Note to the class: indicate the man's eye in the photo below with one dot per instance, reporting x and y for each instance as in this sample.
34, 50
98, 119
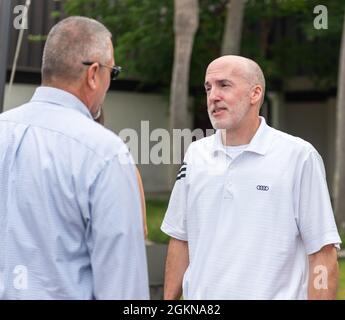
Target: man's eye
207, 89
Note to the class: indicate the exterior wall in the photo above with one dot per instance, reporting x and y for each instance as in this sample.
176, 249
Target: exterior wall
125, 110
312, 120
315, 123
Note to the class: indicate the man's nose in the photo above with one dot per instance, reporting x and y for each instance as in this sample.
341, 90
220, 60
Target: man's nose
213, 95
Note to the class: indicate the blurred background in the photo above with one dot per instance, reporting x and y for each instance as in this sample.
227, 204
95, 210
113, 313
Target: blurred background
164, 48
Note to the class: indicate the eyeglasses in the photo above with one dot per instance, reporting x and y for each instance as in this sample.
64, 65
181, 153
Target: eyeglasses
115, 70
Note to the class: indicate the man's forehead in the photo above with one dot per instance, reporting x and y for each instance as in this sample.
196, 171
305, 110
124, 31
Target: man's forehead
217, 72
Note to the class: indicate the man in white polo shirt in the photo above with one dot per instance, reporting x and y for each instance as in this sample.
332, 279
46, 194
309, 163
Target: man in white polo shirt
250, 215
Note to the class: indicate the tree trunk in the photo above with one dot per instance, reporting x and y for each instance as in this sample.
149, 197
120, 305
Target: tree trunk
339, 175
186, 23
233, 28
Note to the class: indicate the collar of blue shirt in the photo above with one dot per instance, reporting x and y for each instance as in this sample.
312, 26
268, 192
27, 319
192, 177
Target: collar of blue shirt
60, 97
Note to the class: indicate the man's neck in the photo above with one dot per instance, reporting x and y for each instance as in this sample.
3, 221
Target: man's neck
242, 135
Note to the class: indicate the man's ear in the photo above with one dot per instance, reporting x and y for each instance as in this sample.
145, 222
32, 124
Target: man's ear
92, 75
256, 94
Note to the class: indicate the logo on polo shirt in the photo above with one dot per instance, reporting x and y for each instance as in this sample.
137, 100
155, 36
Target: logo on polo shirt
262, 188
182, 172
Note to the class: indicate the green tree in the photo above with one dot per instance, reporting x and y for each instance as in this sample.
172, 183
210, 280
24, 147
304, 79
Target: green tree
282, 38
143, 34
278, 34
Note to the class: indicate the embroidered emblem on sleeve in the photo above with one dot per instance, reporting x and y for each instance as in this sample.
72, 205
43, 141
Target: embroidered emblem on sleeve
182, 172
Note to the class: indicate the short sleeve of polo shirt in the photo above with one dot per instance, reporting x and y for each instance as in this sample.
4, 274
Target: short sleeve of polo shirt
315, 218
175, 220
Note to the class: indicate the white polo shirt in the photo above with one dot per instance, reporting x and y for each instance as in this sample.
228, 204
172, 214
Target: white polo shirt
251, 221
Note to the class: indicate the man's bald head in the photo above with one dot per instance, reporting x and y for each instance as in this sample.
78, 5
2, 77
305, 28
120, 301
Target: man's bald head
244, 67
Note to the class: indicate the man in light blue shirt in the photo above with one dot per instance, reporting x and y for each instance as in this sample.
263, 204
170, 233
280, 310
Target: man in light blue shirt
70, 222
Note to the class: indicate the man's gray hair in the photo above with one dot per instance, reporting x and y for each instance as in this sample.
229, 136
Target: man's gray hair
69, 43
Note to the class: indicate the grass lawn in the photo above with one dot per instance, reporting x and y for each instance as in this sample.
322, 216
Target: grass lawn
155, 211
342, 236
341, 288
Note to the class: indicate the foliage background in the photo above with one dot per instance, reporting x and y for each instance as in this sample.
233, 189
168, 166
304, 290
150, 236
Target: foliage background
279, 34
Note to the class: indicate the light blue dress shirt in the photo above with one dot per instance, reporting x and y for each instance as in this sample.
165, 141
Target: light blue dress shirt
70, 222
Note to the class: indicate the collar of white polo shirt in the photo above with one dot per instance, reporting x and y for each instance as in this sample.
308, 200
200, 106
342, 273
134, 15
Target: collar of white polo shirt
259, 144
